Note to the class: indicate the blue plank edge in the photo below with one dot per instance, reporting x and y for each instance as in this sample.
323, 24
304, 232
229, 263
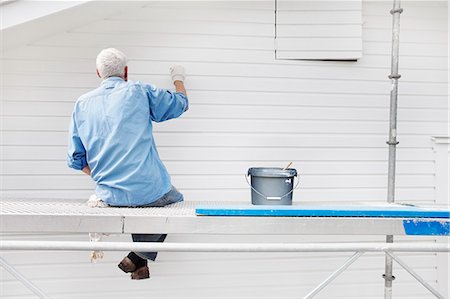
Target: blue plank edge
416, 227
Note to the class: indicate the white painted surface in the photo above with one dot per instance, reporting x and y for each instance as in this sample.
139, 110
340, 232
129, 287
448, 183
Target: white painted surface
247, 109
19, 12
441, 147
323, 30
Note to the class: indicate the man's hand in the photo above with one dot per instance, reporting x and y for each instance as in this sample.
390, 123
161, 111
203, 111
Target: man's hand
87, 170
178, 74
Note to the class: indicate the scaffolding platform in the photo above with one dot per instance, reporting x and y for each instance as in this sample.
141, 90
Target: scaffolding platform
68, 216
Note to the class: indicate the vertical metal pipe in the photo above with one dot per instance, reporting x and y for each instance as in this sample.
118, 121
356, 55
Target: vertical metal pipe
388, 277
394, 76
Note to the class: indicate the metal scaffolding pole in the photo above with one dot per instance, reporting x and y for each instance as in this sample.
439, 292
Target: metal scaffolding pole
416, 276
335, 274
223, 247
26, 282
394, 76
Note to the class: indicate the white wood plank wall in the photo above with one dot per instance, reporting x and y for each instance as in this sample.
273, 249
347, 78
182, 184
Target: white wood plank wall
247, 109
320, 30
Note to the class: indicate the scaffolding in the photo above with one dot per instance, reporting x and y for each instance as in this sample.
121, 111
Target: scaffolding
392, 142
358, 249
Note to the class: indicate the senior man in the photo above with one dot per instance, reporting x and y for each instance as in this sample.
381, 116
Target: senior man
111, 140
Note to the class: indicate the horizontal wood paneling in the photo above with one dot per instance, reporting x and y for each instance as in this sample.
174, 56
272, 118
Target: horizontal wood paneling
195, 125
248, 111
253, 140
171, 55
305, 70
243, 83
303, 16
262, 12
221, 181
236, 168
338, 25
197, 26
355, 195
157, 40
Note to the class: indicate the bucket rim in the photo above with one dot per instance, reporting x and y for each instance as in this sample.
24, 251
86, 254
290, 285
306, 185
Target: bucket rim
272, 172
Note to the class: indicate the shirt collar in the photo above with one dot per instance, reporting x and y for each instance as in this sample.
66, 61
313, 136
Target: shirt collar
112, 80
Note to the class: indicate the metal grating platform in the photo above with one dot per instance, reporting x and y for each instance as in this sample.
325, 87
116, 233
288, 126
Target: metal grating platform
74, 208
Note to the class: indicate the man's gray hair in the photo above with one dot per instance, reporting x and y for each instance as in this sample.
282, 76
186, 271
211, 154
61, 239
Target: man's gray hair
111, 63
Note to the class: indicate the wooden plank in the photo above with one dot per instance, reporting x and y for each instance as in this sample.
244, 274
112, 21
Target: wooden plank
252, 5
142, 53
159, 40
238, 286
244, 84
235, 153
414, 9
417, 23
407, 49
284, 69
87, 53
319, 55
289, 5
408, 36
319, 30
194, 26
185, 124
250, 13
343, 31
38, 95
235, 288
233, 168
198, 139
337, 44
347, 17
71, 182
353, 195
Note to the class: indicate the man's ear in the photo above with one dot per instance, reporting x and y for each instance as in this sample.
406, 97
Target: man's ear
125, 73
98, 73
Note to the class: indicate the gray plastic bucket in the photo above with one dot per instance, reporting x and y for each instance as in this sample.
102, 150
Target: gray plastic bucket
272, 186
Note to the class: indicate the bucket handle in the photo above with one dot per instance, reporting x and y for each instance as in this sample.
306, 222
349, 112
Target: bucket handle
273, 198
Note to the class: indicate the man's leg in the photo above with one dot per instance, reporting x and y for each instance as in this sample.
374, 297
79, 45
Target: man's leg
148, 238
139, 259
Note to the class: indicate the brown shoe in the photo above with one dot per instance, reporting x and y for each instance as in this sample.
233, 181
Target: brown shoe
126, 265
141, 273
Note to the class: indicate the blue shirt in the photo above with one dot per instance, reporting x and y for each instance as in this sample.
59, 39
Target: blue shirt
111, 131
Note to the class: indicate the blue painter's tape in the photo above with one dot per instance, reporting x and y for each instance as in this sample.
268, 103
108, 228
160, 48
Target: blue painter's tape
421, 227
393, 211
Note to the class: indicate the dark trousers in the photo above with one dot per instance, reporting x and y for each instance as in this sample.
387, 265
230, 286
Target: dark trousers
170, 197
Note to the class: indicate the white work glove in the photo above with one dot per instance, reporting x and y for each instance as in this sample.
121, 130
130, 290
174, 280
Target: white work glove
94, 202
96, 255
178, 73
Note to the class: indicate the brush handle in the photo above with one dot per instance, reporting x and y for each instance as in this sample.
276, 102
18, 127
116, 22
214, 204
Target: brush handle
287, 166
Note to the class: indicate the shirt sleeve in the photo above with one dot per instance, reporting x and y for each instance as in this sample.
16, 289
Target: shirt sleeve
164, 104
76, 154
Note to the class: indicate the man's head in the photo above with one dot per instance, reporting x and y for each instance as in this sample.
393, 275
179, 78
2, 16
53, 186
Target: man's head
112, 63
